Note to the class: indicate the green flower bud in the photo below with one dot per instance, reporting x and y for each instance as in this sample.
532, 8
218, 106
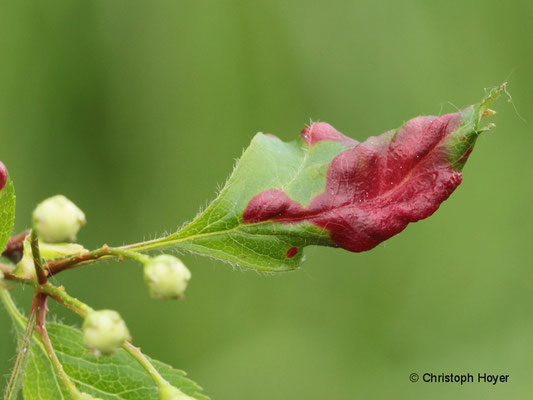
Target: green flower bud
169, 392
166, 276
104, 331
57, 219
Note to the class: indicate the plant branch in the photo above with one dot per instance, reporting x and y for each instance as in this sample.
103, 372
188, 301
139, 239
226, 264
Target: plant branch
56, 266
37, 320
161, 382
136, 353
15, 243
59, 294
39, 269
82, 309
41, 299
8, 276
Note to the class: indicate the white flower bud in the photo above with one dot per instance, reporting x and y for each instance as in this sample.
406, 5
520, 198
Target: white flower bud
169, 392
57, 219
104, 331
166, 276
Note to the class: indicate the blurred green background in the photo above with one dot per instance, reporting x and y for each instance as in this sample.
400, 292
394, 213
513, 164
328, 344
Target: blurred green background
136, 110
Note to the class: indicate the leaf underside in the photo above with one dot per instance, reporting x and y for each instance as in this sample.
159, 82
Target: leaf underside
106, 377
330, 190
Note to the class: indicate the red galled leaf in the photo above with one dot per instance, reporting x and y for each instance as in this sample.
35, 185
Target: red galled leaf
375, 188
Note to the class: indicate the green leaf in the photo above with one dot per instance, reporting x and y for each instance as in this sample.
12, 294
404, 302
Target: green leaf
24, 336
106, 377
267, 163
328, 189
7, 213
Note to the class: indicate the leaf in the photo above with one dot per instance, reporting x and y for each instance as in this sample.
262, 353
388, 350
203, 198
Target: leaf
7, 213
24, 342
24, 336
328, 189
106, 377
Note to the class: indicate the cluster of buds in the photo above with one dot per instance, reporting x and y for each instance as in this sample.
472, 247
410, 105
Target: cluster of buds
57, 221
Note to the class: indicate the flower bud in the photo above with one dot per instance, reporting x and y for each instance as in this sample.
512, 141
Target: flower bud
3, 175
166, 276
57, 219
169, 392
104, 331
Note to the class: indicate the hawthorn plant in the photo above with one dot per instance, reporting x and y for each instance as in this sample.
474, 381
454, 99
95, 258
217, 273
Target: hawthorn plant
322, 189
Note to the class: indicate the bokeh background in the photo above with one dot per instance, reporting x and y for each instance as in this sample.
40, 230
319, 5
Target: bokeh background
137, 110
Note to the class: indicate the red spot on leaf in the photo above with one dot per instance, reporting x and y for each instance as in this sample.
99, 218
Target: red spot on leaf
292, 252
374, 189
3, 175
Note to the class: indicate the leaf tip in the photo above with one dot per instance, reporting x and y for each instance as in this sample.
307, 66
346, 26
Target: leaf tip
494, 93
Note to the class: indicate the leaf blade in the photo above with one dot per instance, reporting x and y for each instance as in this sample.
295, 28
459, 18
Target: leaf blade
110, 377
7, 213
327, 189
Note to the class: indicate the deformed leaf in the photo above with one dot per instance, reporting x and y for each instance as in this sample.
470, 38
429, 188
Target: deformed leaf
328, 189
107, 377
